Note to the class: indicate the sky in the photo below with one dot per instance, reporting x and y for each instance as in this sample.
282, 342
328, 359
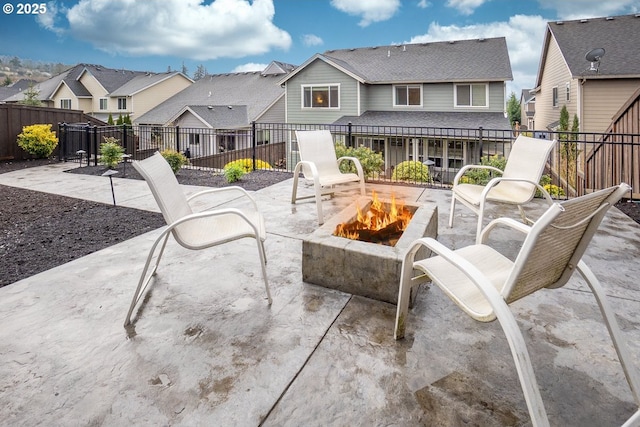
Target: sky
240, 35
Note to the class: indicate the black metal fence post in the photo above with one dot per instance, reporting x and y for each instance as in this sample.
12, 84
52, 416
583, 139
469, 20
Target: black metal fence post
62, 137
253, 144
95, 146
178, 139
480, 141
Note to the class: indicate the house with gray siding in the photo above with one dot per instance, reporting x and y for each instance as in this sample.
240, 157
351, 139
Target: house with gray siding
457, 84
216, 112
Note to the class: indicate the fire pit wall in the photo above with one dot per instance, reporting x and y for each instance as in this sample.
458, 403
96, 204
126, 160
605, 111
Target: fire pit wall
360, 268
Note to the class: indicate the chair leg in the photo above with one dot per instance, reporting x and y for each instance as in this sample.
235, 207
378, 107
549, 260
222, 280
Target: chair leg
523, 364
142, 283
614, 331
294, 192
453, 208
263, 265
318, 198
404, 297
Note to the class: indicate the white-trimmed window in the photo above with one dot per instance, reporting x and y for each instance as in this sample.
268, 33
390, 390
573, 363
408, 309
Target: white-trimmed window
122, 103
104, 102
321, 96
554, 96
568, 90
472, 95
407, 96
65, 103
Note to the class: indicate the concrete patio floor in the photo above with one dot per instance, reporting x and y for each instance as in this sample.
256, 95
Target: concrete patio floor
206, 349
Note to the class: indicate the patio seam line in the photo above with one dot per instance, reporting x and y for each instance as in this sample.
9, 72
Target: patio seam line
266, 417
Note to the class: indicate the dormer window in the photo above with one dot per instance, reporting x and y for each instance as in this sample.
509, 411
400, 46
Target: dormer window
321, 96
407, 96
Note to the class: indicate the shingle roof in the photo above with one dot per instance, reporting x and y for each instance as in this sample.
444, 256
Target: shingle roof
142, 81
472, 120
222, 116
618, 36
252, 89
450, 61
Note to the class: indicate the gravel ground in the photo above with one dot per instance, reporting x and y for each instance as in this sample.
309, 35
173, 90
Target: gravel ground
39, 231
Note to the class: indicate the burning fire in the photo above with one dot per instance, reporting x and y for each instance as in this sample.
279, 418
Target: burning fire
382, 223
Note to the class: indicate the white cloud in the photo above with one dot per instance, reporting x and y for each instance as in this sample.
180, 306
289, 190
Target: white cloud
251, 66
524, 35
49, 20
311, 40
370, 10
183, 28
577, 9
465, 7
423, 4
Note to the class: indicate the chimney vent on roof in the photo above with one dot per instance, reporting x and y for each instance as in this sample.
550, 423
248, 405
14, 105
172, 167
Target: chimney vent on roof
559, 23
388, 53
404, 48
609, 18
584, 20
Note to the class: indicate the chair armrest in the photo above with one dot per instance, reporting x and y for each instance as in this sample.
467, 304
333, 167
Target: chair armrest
465, 168
225, 190
508, 222
355, 161
497, 180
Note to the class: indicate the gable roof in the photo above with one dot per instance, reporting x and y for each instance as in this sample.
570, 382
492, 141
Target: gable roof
617, 35
254, 90
433, 62
218, 116
113, 81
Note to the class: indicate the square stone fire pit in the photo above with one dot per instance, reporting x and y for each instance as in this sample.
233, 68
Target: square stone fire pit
361, 268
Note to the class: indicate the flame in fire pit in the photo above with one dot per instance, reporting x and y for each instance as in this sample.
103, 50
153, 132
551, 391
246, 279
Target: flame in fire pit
382, 223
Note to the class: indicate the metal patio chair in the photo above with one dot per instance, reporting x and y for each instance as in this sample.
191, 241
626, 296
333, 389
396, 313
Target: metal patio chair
483, 282
195, 230
319, 165
516, 185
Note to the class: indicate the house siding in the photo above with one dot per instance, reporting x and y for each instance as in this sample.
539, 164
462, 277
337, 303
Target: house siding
97, 92
275, 114
152, 96
321, 73
602, 99
555, 73
65, 93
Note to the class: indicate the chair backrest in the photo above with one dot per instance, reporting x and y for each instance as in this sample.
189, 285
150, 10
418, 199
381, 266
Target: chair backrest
164, 186
527, 160
557, 241
317, 146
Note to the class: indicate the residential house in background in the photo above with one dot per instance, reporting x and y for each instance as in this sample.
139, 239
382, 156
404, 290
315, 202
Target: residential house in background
215, 114
592, 90
100, 91
527, 109
453, 84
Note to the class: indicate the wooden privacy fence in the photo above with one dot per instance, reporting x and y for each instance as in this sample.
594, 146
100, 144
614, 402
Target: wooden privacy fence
13, 117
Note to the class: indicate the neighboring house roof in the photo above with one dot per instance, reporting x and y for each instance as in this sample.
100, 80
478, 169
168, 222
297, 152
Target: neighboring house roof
144, 81
473, 120
254, 90
451, 61
617, 35
113, 81
220, 116
23, 84
8, 91
527, 96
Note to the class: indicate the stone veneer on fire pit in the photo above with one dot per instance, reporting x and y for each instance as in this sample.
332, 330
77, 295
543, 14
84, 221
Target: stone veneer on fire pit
361, 268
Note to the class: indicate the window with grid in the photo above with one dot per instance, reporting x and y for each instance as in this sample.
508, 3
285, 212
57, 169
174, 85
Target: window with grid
325, 96
122, 103
65, 104
554, 96
103, 103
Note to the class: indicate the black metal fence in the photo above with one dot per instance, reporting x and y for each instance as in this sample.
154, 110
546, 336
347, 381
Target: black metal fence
580, 162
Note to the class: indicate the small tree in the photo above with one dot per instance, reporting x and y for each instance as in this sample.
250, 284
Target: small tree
110, 120
111, 152
31, 97
513, 109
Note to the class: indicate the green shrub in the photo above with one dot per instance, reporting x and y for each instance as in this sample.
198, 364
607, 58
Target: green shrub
411, 170
247, 164
38, 140
175, 159
110, 152
233, 172
483, 176
372, 162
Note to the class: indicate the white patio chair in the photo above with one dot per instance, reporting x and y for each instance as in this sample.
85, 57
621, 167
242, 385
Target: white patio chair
483, 282
195, 230
516, 185
319, 165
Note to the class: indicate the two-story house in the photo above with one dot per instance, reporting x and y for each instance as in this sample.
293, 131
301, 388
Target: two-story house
527, 109
100, 91
217, 111
452, 84
594, 90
